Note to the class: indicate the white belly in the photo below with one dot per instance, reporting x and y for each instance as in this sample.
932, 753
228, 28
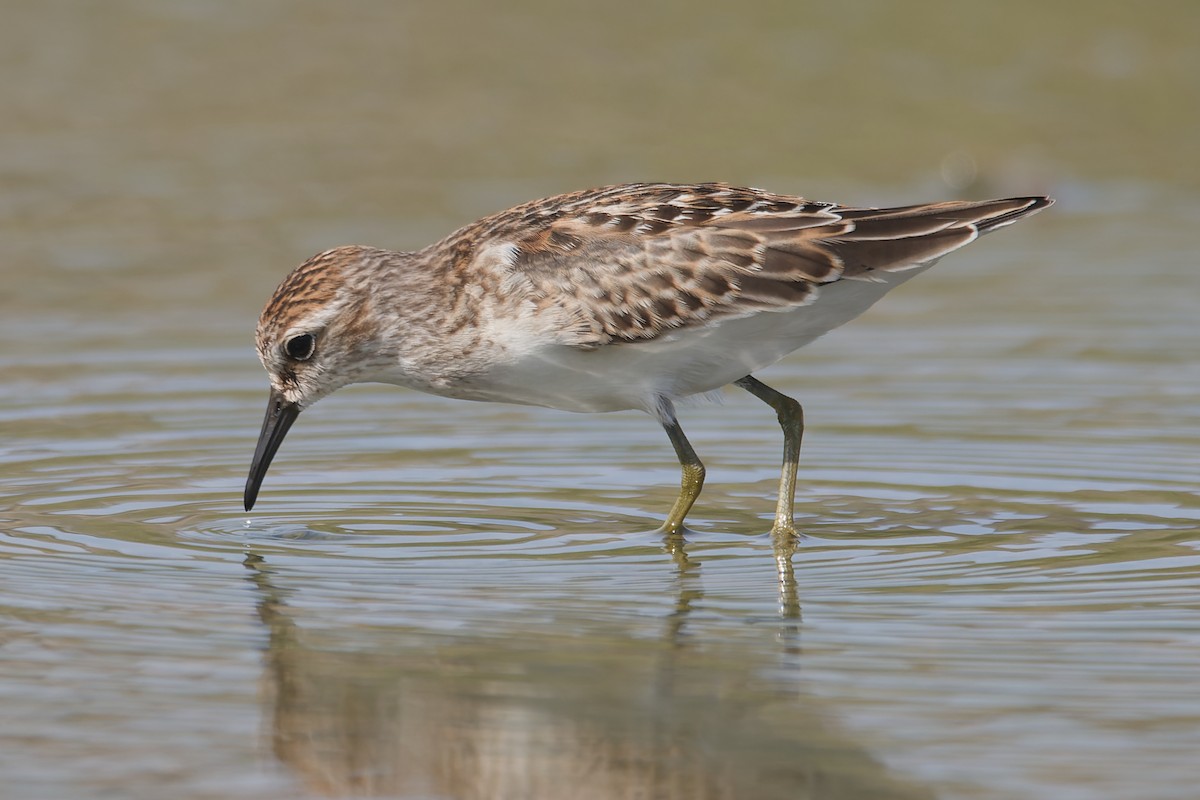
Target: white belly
688, 362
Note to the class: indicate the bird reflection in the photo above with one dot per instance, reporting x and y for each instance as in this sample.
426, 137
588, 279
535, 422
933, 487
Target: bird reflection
406, 712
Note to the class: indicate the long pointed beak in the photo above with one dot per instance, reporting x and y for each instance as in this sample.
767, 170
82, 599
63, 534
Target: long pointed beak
280, 416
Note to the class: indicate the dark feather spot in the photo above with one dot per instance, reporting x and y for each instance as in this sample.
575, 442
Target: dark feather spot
799, 261
621, 322
563, 240
653, 226
658, 281
715, 285
738, 259
664, 308
774, 292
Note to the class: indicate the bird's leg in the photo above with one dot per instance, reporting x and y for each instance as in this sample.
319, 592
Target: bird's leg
791, 419
692, 480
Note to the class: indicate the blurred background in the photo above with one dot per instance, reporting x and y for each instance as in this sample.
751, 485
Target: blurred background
177, 150
434, 599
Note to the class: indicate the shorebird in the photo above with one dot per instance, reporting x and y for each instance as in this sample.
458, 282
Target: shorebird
623, 297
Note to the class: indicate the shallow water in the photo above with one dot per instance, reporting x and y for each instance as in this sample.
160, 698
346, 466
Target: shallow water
995, 593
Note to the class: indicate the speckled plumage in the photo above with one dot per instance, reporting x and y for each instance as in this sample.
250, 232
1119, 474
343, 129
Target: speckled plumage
622, 297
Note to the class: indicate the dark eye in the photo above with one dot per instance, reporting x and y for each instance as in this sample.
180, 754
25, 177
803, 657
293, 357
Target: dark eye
300, 347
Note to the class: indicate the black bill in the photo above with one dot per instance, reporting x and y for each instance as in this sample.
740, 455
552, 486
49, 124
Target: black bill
280, 416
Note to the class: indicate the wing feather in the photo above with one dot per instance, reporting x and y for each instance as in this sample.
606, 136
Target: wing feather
634, 262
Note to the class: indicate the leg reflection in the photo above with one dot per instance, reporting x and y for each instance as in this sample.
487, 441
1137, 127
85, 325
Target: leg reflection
784, 546
687, 586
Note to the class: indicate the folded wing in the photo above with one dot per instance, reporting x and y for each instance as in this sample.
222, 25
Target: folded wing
635, 262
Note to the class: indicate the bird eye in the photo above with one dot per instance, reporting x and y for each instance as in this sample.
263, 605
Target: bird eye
300, 347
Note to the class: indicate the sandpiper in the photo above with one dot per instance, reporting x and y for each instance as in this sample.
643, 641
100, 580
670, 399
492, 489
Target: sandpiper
623, 297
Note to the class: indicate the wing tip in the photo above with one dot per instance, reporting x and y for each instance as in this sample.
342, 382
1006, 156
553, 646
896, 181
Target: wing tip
1024, 207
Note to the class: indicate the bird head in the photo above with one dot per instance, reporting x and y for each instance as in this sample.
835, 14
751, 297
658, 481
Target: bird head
314, 337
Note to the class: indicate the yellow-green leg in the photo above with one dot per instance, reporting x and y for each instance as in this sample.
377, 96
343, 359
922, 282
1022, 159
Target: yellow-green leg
791, 419
692, 480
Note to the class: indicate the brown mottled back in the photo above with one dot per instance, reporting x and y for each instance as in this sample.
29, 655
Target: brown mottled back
632, 262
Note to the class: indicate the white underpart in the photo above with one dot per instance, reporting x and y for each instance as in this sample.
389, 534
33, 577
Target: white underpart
676, 365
